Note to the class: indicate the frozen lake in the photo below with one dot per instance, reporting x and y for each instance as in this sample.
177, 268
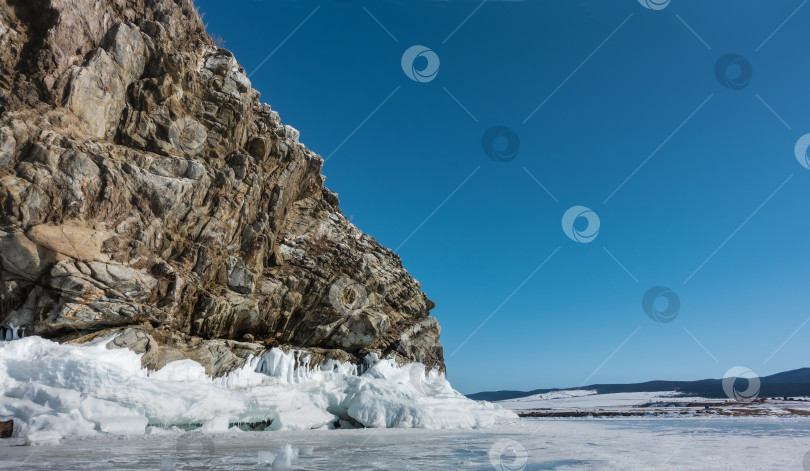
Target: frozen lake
532, 444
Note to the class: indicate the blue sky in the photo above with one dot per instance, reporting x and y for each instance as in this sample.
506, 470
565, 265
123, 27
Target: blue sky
714, 200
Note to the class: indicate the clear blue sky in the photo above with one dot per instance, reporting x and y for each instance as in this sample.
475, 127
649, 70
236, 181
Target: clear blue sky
724, 180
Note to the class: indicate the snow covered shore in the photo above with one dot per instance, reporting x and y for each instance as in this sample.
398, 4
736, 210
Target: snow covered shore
79, 390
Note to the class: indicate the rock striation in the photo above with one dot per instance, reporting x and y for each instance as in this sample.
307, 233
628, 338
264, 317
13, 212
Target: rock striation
146, 191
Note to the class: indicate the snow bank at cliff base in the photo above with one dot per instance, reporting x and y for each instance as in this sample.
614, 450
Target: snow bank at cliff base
89, 389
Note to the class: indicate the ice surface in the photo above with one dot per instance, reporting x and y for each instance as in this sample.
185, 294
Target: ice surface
87, 389
711, 443
266, 458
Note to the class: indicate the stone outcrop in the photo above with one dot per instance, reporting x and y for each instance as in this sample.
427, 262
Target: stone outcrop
145, 190
6, 428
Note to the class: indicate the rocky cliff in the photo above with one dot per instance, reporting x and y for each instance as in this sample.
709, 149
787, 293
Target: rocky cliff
145, 190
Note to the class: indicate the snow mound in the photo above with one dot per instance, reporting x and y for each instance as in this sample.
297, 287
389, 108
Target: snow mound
44, 437
89, 389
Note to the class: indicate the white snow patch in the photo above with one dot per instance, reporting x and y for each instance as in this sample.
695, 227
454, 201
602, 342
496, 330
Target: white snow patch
551, 396
88, 390
43, 437
584, 399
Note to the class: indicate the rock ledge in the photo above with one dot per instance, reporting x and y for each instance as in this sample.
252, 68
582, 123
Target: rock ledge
145, 190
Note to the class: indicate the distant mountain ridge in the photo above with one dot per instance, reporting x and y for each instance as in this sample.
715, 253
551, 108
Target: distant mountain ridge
788, 383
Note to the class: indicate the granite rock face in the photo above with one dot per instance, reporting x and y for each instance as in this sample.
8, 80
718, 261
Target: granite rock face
145, 190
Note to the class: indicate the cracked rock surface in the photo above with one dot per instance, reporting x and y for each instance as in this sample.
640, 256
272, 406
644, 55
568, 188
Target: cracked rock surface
145, 190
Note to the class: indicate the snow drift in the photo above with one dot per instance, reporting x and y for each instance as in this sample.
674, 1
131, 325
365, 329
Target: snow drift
89, 389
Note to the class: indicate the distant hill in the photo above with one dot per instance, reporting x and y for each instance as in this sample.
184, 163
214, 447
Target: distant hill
789, 383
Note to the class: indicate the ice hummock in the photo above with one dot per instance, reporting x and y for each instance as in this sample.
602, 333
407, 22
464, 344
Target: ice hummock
11, 332
88, 389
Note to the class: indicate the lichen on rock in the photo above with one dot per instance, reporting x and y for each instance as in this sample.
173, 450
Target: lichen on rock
145, 190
